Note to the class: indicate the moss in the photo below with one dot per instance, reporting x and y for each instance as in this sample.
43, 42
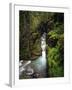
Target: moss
32, 26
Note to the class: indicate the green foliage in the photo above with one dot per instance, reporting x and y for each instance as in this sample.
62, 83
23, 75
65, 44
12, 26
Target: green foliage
55, 50
29, 35
54, 61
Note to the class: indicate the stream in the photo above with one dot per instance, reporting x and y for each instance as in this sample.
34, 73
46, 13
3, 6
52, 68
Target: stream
37, 68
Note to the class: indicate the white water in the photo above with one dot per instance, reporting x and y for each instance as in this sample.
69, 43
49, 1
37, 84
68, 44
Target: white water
39, 64
43, 46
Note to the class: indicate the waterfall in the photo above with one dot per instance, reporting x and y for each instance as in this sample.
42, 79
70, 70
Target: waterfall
36, 68
43, 47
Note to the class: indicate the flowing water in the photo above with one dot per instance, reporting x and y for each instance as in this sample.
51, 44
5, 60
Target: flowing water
36, 68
